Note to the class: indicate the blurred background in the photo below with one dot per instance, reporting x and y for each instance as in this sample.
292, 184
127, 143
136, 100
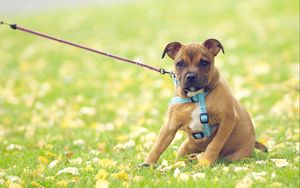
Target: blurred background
52, 94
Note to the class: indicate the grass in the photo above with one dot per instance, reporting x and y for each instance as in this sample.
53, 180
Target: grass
91, 112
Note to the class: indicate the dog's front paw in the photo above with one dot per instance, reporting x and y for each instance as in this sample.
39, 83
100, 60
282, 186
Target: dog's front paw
144, 165
202, 161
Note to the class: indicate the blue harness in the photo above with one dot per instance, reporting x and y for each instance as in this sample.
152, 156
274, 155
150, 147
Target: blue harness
204, 119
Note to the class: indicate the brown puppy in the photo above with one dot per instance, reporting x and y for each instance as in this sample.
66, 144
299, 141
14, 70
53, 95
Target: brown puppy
234, 136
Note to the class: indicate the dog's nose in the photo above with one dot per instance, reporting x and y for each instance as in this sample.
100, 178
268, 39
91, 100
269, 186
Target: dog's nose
191, 76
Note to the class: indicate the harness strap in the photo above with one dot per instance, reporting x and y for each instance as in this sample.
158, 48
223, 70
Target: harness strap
204, 118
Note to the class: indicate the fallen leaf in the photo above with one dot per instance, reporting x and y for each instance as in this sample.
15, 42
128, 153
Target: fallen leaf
246, 182
183, 176
121, 175
164, 163
176, 172
138, 178
76, 161
238, 169
14, 178
259, 176
105, 163
179, 164
62, 183
43, 160
102, 174
69, 170
14, 147
280, 162
125, 145
101, 183
53, 163
198, 176
225, 169
79, 142
14, 185
261, 162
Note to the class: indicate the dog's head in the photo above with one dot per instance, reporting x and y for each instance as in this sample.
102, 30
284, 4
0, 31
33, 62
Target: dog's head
194, 65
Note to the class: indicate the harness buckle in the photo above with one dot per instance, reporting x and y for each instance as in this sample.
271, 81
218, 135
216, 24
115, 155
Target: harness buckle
204, 118
198, 135
193, 100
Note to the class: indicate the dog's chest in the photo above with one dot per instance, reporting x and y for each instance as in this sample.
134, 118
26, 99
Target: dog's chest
195, 124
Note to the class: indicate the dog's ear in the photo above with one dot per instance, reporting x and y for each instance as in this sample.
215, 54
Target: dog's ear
214, 46
171, 49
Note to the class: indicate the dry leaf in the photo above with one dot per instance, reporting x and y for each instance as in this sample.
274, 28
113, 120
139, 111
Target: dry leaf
105, 163
53, 164
280, 162
69, 170
183, 177
198, 176
76, 161
121, 175
43, 160
176, 172
246, 182
102, 174
101, 183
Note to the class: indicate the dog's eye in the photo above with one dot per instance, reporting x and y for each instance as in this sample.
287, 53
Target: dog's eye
180, 64
203, 63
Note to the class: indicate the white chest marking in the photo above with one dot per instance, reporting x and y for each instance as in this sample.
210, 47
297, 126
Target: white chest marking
195, 124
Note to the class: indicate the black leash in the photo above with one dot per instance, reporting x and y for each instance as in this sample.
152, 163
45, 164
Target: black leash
16, 27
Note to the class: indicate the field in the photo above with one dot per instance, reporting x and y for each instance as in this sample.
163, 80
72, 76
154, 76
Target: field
70, 118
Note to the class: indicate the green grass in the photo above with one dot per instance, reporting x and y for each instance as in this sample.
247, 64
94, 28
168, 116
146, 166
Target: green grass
45, 88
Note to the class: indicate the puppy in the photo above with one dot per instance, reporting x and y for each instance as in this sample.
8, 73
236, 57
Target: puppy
227, 130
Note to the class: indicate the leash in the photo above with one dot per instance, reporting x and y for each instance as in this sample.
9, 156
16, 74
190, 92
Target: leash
16, 27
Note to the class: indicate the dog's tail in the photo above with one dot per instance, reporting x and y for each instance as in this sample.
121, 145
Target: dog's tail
261, 147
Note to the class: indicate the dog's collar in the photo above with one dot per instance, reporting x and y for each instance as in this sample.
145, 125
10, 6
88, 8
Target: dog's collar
204, 118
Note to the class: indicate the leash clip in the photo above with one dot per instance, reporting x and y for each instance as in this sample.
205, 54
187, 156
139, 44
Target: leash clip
204, 118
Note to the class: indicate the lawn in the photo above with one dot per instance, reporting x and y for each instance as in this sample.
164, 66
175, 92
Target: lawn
70, 118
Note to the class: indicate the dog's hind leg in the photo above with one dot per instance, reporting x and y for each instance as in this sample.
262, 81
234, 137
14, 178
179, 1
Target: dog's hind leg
239, 154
